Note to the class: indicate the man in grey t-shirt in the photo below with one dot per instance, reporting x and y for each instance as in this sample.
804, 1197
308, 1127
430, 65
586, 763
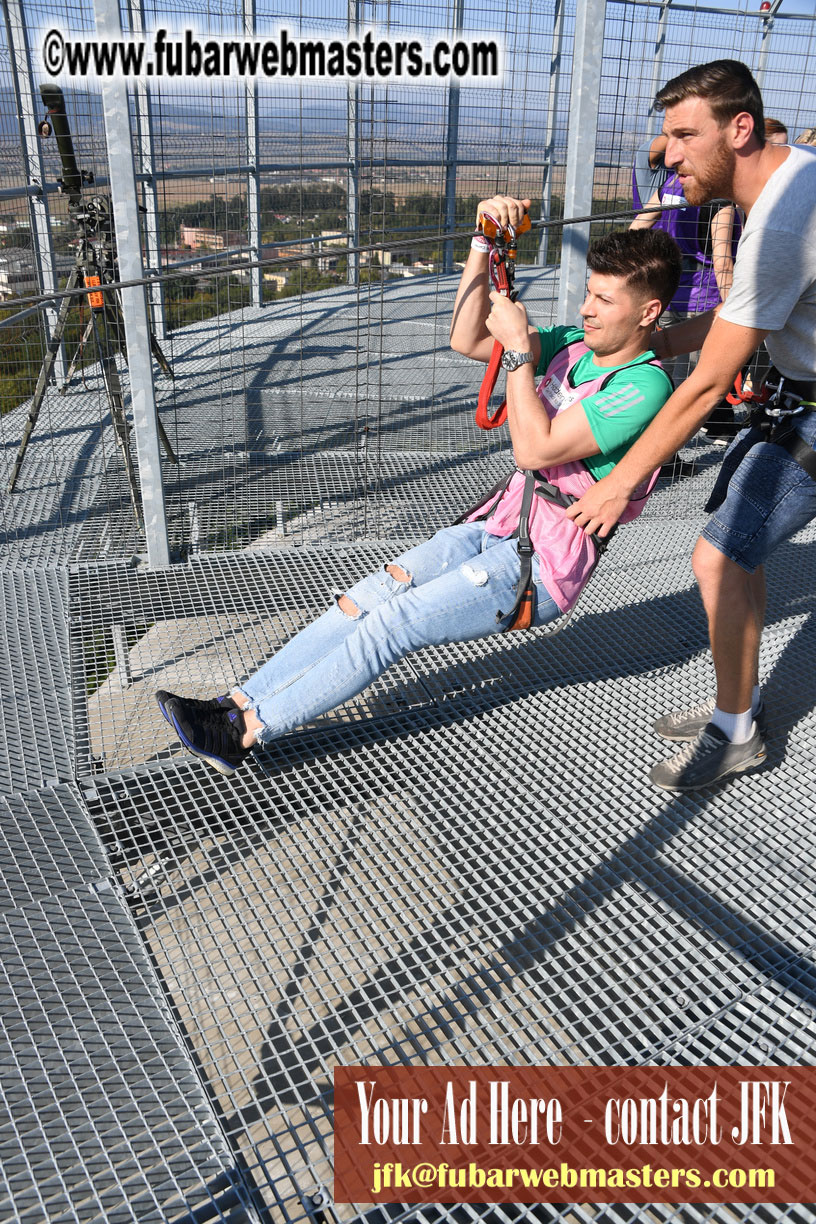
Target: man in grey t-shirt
649, 171
765, 492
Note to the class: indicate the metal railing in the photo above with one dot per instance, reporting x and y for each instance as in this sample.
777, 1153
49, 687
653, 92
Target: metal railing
264, 175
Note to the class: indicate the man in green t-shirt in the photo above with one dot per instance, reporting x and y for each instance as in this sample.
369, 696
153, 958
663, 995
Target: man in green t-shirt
617, 413
594, 391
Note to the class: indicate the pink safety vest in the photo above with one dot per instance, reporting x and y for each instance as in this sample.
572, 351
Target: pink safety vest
566, 555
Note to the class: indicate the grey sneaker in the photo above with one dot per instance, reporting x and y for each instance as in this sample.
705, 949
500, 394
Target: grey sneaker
706, 759
684, 725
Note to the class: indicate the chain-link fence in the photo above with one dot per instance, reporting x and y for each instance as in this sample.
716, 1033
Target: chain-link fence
299, 267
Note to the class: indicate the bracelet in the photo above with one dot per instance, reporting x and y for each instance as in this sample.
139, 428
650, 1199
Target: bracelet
480, 243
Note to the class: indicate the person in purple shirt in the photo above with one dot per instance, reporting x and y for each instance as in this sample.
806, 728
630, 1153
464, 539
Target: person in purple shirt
707, 237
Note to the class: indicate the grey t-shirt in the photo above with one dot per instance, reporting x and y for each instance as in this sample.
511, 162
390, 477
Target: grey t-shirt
775, 271
645, 180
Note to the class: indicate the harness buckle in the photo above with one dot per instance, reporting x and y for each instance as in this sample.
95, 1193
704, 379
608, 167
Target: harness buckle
503, 251
782, 402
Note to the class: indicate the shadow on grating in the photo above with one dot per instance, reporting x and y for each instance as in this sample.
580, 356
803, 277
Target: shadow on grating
465, 864
471, 877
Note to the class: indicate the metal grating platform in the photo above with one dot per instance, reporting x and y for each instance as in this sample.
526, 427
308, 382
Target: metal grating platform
357, 892
102, 1115
34, 671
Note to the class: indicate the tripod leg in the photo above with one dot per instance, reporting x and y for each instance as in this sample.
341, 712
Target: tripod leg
42, 381
156, 350
165, 441
116, 402
163, 362
86, 335
155, 347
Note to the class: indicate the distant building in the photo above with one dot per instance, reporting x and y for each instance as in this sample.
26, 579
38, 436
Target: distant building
279, 279
197, 238
332, 238
18, 271
291, 252
173, 255
400, 257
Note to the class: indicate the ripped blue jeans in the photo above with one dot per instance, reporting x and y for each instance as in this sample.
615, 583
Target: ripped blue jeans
463, 586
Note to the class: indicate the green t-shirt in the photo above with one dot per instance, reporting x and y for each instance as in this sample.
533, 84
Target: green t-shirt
620, 411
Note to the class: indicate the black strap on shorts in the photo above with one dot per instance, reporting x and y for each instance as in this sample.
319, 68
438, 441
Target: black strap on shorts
784, 390
775, 417
785, 435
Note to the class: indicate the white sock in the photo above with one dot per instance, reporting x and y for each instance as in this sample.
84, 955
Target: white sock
756, 698
738, 727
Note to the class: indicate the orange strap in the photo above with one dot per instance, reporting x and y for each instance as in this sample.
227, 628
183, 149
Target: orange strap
524, 617
483, 418
740, 396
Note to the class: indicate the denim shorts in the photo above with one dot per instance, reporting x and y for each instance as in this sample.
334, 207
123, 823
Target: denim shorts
761, 497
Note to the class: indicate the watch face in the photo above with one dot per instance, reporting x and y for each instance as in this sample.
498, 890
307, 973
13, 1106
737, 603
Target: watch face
511, 360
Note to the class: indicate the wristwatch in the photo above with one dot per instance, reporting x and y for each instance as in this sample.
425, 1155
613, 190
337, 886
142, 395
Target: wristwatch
512, 359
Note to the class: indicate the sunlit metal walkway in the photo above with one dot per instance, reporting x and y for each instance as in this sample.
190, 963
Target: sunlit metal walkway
466, 864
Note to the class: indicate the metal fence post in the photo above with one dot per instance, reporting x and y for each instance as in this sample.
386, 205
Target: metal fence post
656, 116
353, 151
134, 301
765, 45
150, 196
583, 130
43, 247
452, 150
552, 114
253, 173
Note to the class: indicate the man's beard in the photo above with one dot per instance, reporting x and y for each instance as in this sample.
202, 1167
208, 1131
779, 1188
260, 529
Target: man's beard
715, 181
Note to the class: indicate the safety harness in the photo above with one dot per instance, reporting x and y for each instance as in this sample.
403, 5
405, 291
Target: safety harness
536, 484
784, 398
502, 267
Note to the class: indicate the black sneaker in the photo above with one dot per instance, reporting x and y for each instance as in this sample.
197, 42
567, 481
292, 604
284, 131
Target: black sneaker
215, 735
208, 703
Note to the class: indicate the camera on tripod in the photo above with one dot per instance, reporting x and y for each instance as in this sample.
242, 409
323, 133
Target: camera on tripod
57, 122
95, 269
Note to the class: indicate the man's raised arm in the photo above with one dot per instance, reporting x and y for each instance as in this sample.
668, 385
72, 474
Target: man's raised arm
647, 218
727, 348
